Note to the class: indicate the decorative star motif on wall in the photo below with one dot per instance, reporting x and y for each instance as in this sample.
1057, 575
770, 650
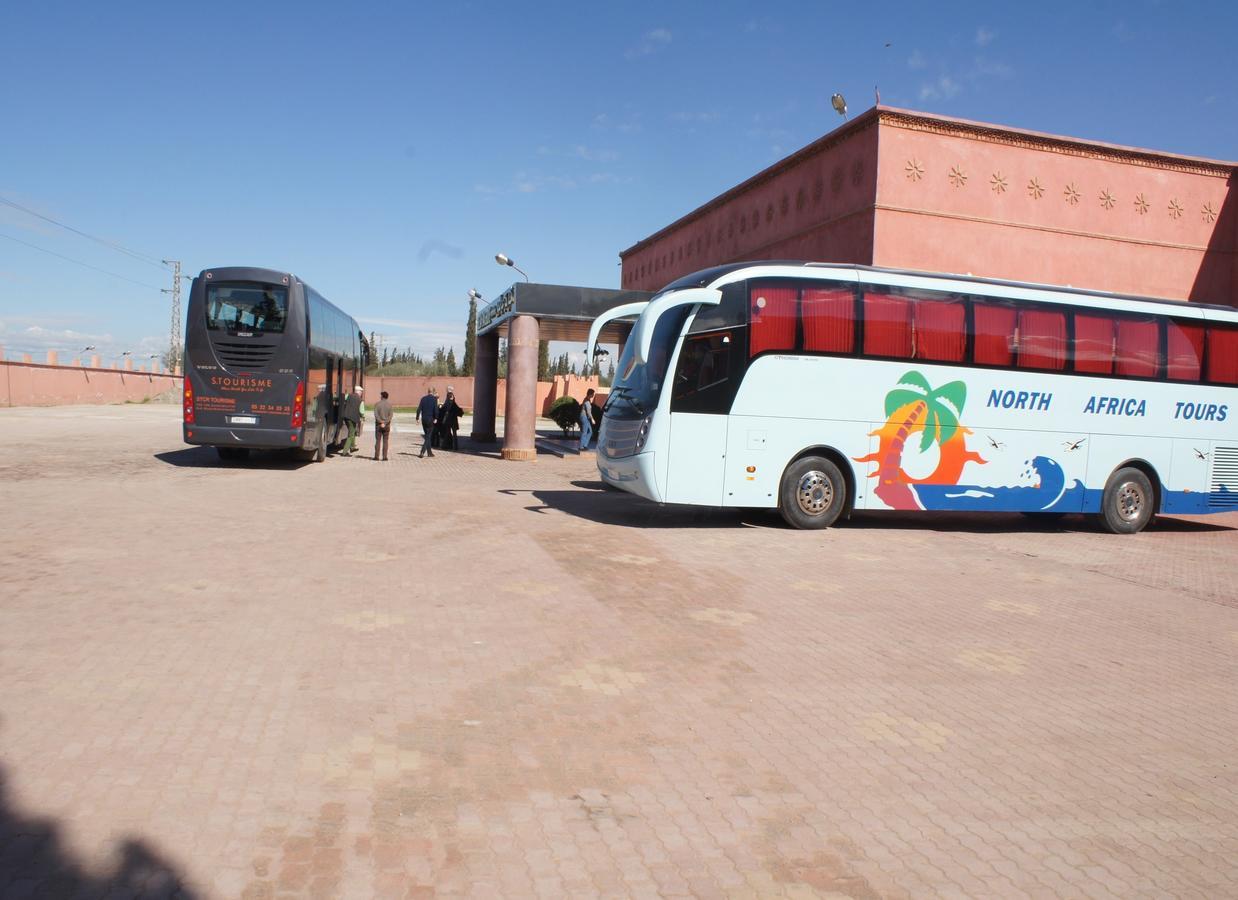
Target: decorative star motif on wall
1035, 189
1175, 209
1209, 214
998, 182
1107, 200
915, 171
958, 177
1141, 204
1071, 194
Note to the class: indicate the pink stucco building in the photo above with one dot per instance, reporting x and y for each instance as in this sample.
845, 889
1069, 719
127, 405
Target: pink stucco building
911, 190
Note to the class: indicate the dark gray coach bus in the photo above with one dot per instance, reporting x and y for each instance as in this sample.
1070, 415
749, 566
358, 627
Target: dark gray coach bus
268, 362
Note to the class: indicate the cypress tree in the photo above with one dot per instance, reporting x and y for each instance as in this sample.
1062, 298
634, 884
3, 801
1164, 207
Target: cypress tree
543, 360
470, 340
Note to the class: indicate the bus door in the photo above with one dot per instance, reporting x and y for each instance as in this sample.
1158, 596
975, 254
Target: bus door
702, 389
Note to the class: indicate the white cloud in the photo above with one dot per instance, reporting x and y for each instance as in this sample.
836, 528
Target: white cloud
943, 88
696, 118
629, 124
916, 60
651, 42
434, 245
984, 36
594, 155
990, 68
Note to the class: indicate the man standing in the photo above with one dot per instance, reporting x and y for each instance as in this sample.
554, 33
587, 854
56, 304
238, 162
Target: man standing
586, 420
427, 415
383, 415
352, 419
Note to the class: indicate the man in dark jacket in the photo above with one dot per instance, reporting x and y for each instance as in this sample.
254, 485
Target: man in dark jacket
383, 414
449, 422
427, 415
352, 419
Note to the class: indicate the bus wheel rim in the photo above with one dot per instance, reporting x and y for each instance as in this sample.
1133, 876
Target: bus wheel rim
814, 493
1130, 501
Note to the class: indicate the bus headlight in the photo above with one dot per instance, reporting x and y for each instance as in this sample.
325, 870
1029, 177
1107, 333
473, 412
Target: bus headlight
643, 433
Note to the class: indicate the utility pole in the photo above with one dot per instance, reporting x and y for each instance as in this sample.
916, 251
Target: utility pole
174, 334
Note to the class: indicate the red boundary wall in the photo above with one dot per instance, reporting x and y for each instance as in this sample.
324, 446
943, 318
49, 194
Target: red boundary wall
34, 384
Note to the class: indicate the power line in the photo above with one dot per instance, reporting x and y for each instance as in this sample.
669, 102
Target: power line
150, 260
77, 262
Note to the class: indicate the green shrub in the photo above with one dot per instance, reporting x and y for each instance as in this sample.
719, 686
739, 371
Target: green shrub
566, 413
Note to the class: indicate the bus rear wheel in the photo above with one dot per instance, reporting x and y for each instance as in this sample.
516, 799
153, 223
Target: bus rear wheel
321, 453
813, 493
1126, 506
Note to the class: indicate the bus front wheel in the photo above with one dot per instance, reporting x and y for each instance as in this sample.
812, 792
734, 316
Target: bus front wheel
813, 493
1126, 507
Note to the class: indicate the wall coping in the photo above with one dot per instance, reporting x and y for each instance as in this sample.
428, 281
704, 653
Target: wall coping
60, 368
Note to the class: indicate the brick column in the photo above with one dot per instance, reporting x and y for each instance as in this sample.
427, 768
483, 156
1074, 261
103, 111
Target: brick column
520, 413
485, 386
52, 358
95, 361
128, 363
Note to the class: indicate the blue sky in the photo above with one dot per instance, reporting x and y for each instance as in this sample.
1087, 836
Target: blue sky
385, 152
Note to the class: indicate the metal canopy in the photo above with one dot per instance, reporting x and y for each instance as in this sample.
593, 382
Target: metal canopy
564, 313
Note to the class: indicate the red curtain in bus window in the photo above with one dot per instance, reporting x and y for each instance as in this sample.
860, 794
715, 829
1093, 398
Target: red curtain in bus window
1184, 350
772, 317
1139, 344
1042, 339
1222, 354
941, 330
887, 325
1094, 344
993, 329
829, 319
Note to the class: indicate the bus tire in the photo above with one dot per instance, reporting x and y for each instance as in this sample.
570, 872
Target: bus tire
320, 454
232, 453
813, 493
1126, 506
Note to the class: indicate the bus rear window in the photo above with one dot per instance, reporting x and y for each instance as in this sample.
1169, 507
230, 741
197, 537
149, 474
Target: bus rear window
246, 307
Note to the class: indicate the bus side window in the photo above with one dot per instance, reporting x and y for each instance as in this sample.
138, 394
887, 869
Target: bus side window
887, 325
772, 316
1042, 339
993, 333
940, 330
1138, 347
1094, 340
829, 319
1222, 354
1184, 351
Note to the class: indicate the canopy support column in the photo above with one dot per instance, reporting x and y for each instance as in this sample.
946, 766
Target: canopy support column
520, 413
485, 386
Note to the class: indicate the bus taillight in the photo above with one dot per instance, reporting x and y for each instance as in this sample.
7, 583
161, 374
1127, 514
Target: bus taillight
298, 405
188, 402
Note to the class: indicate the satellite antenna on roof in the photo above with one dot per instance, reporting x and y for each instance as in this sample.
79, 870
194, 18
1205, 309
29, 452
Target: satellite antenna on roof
839, 104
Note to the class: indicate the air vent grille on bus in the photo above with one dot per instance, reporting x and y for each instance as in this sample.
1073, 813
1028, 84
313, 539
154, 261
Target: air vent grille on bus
246, 357
617, 437
1224, 478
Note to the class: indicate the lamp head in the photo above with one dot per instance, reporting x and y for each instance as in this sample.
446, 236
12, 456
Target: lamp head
473, 295
502, 259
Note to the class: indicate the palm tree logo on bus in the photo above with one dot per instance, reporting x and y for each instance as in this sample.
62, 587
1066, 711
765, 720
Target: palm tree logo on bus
914, 406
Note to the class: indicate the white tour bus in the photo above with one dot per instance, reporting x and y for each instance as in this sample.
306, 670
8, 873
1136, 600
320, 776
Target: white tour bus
819, 389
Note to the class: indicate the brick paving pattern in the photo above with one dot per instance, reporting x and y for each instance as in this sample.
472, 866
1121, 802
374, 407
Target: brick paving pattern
467, 677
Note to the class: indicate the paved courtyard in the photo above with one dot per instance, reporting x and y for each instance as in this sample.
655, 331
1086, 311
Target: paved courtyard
462, 676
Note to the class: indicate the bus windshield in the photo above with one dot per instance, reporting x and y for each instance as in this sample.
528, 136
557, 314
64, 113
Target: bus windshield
638, 387
246, 307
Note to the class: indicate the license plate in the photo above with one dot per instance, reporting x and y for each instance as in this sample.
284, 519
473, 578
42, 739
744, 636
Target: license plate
243, 420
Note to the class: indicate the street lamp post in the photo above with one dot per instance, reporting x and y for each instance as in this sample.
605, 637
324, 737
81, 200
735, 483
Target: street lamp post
504, 260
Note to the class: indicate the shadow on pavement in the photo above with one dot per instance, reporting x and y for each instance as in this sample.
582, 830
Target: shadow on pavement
35, 862
598, 502
207, 458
